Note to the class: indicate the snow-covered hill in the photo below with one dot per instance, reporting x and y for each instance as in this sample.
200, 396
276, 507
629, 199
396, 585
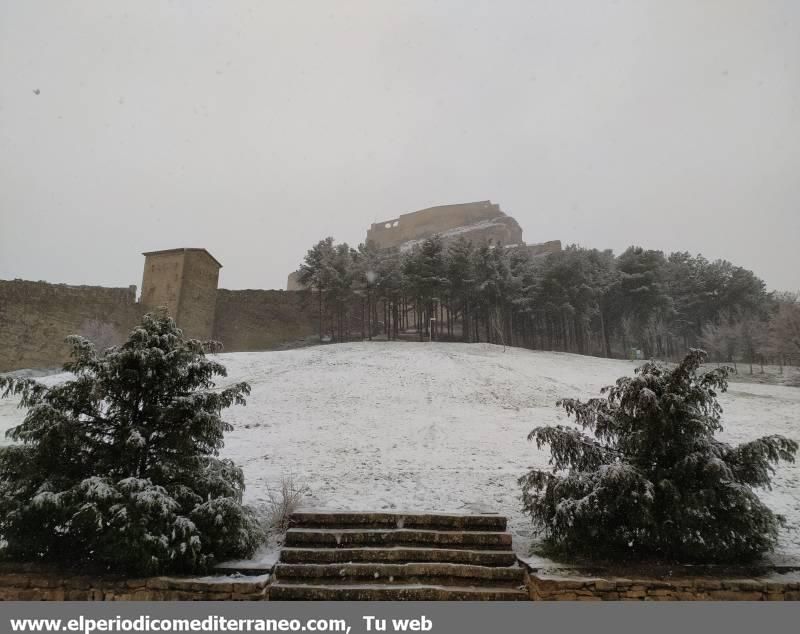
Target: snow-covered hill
438, 427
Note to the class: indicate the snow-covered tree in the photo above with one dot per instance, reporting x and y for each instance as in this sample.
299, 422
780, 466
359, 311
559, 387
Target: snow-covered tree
784, 328
313, 274
425, 274
461, 281
652, 481
117, 469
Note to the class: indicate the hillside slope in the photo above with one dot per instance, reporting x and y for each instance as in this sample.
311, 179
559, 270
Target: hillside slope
438, 427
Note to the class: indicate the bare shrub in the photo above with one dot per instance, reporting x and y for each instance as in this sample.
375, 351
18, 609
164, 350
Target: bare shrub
284, 501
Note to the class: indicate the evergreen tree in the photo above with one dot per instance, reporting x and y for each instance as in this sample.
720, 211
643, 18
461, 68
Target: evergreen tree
642, 294
576, 300
369, 278
390, 288
784, 327
426, 278
461, 281
652, 481
117, 469
314, 274
341, 269
603, 277
491, 278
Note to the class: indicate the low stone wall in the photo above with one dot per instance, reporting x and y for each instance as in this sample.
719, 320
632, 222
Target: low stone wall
571, 587
27, 586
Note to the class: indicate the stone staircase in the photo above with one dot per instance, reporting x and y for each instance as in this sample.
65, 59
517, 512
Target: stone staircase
397, 556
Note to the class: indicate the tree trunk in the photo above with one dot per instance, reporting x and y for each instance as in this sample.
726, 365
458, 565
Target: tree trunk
320, 315
369, 313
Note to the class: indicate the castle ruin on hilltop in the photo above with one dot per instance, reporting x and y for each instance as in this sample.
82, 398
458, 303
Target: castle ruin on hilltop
477, 221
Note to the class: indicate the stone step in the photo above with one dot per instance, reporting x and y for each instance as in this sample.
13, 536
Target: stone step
439, 574
356, 537
245, 571
431, 521
397, 555
306, 592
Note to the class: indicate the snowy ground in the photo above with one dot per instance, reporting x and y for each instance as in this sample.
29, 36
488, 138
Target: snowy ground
438, 427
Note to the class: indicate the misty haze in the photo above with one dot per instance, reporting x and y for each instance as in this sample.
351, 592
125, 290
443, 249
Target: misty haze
406, 301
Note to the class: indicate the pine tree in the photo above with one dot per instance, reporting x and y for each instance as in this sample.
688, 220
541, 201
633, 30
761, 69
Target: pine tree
576, 300
390, 287
652, 481
641, 292
368, 278
426, 278
313, 275
117, 469
461, 282
784, 328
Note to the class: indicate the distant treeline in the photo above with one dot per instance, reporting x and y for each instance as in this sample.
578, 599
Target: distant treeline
639, 303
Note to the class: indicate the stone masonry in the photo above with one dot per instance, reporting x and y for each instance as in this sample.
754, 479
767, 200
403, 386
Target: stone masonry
546, 585
185, 281
476, 221
24, 582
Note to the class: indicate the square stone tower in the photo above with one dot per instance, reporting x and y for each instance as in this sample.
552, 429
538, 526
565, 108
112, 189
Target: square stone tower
185, 282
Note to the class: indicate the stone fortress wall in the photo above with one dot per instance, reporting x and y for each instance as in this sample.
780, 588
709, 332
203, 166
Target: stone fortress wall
36, 317
185, 281
476, 221
264, 320
482, 218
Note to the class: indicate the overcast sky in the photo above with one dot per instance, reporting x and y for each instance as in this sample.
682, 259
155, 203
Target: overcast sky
254, 128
